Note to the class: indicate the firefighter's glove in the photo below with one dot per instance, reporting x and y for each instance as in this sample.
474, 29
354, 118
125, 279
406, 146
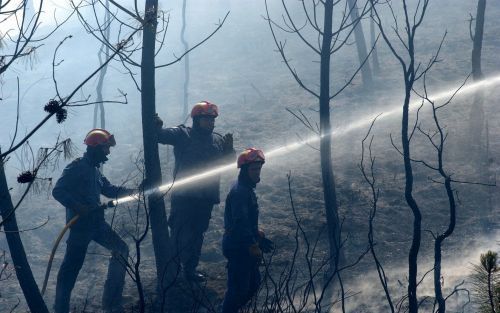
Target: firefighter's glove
255, 251
266, 245
228, 142
102, 206
158, 121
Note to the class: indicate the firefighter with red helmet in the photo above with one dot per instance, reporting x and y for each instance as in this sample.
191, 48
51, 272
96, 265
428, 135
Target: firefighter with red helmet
243, 243
79, 189
196, 149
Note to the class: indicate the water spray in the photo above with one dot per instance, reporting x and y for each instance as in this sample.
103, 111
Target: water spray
364, 122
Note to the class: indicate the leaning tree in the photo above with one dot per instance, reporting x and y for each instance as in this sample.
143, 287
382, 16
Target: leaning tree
20, 43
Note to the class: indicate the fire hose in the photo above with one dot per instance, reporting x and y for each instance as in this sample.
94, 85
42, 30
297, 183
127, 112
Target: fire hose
56, 245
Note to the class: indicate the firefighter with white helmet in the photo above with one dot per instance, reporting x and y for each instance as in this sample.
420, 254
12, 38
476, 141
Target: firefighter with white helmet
196, 149
243, 243
79, 189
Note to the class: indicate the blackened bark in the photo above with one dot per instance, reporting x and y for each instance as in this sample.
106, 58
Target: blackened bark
186, 60
490, 291
478, 40
24, 274
476, 118
329, 193
438, 244
359, 37
156, 205
99, 106
375, 62
417, 215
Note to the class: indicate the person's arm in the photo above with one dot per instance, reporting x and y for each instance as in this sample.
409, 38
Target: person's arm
113, 191
169, 135
226, 145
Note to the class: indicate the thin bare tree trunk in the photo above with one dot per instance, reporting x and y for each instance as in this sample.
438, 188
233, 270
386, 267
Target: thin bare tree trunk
359, 37
375, 62
417, 215
24, 274
478, 40
476, 118
99, 106
156, 205
329, 193
186, 61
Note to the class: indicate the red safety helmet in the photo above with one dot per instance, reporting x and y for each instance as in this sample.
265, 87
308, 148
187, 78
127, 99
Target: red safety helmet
205, 108
99, 137
251, 155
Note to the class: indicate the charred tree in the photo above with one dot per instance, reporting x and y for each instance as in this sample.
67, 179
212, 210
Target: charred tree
476, 118
368, 172
375, 62
148, 24
329, 192
24, 274
477, 40
186, 62
437, 140
411, 73
103, 51
156, 204
359, 37
324, 45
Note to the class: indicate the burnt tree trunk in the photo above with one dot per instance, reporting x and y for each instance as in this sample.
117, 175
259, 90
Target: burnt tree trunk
437, 254
359, 37
410, 200
24, 274
440, 299
476, 118
156, 205
478, 40
186, 61
329, 193
375, 62
99, 106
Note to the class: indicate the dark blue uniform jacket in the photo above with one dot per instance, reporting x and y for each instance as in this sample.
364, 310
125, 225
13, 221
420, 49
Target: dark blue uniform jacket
196, 152
81, 183
241, 217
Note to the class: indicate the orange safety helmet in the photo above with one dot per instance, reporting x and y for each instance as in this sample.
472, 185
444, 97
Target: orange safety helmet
251, 155
205, 108
98, 136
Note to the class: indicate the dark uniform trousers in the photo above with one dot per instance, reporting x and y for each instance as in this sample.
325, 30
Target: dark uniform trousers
243, 280
188, 221
241, 217
76, 248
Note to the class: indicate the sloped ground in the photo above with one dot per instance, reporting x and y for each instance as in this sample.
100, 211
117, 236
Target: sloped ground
262, 121
392, 225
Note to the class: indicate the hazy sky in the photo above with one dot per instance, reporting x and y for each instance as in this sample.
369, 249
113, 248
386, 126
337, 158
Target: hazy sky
60, 7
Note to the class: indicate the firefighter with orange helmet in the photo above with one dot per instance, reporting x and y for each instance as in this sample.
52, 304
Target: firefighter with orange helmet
196, 149
243, 243
79, 189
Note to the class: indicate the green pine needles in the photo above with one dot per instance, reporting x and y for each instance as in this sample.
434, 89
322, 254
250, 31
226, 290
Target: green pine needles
486, 283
